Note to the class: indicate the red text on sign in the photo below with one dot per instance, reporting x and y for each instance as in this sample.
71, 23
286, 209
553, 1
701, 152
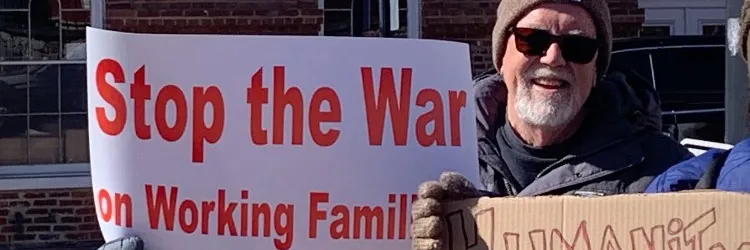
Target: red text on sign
165, 207
115, 206
361, 222
398, 104
291, 98
140, 93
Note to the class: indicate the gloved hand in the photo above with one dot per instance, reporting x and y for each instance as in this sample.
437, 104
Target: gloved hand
428, 226
124, 243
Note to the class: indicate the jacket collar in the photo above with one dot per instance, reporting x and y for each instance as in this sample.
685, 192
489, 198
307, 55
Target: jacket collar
575, 170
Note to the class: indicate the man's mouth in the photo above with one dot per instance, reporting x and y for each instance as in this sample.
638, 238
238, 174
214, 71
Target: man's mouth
550, 83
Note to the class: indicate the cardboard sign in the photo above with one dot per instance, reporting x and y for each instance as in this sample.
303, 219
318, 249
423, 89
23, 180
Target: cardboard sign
671, 221
258, 142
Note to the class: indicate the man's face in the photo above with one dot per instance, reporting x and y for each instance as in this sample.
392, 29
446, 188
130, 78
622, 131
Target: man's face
548, 89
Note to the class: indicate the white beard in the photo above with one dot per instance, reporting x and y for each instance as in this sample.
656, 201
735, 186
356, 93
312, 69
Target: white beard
544, 110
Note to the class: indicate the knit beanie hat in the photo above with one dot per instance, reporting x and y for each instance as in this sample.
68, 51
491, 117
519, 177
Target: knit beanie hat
744, 26
509, 12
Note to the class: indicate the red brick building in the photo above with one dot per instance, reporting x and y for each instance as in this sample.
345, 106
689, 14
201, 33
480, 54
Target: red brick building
45, 196
467, 21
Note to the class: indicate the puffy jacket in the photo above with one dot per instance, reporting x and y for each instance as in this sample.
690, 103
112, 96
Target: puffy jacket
622, 148
727, 170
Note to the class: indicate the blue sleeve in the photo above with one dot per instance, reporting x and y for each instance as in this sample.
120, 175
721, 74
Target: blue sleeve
682, 175
735, 175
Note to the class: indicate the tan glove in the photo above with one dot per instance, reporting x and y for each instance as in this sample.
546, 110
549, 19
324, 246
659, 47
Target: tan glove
123, 243
427, 230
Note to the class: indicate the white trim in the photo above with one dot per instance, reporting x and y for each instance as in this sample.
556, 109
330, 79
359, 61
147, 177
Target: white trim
667, 24
653, 4
688, 142
686, 16
696, 18
708, 144
48, 176
35, 62
322, 7
98, 13
414, 19
703, 23
673, 17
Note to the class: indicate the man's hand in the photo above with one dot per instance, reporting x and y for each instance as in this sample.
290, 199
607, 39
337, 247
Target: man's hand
428, 226
124, 243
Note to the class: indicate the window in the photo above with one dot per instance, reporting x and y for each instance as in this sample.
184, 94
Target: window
684, 82
340, 20
695, 91
635, 64
43, 81
337, 18
713, 30
655, 31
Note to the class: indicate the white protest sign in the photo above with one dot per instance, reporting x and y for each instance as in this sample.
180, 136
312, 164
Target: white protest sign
272, 142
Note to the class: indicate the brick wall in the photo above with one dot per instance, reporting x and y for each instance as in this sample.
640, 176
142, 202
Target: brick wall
299, 17
471, 21
48, 218
468, 21
627, 18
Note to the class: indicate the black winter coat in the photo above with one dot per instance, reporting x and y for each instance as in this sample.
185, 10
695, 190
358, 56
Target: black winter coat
622, 151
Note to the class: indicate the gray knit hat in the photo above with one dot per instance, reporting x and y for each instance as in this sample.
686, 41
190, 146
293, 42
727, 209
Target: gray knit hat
744, 28
510, 11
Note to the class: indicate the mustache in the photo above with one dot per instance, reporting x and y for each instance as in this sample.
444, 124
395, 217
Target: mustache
546, 72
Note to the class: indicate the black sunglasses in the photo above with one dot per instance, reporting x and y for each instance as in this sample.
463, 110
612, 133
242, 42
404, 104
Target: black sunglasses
535, 42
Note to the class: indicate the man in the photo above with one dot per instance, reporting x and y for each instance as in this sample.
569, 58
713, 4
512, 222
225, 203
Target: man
554, 120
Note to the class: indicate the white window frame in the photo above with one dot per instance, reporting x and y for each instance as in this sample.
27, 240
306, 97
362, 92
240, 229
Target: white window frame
321, 6
414, 19
702, 24
53, 176
660, 4
413, 16
670, 25
675, 18
697, 18
685, 15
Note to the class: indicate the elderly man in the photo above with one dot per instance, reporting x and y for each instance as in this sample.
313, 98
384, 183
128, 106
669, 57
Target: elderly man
555, 121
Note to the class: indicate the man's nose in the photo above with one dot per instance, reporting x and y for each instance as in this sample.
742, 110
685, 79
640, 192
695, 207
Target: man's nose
553, 57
